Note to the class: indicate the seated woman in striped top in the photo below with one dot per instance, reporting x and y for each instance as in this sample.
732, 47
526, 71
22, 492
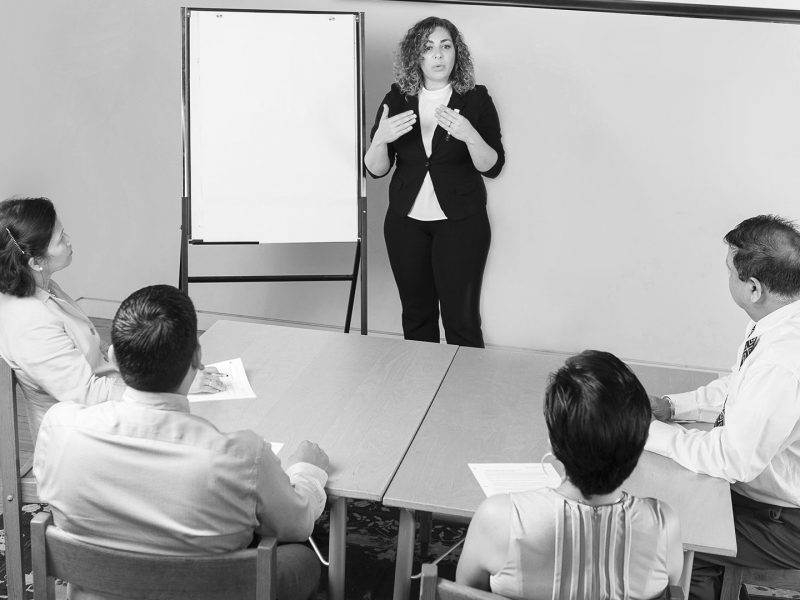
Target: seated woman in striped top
586, 538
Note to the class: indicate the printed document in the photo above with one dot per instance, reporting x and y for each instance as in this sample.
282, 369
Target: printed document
501, 478
237, 386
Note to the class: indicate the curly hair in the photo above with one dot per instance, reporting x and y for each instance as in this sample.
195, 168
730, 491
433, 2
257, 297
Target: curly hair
407, 72
26, 226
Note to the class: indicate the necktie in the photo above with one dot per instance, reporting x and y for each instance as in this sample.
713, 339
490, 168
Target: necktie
749, 346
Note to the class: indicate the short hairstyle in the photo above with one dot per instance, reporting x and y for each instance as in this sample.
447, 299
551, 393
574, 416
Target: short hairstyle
26, 228
154, 334
598, 417
767, 248
407, 72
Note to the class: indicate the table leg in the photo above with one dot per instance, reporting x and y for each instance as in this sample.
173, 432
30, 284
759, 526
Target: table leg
336, 549
405, 555
425, 527
686, 574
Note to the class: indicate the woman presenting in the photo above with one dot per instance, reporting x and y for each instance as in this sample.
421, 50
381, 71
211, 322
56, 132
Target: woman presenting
443, 134
44, 335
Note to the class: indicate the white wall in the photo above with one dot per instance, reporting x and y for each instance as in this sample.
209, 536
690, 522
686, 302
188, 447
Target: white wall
634, 143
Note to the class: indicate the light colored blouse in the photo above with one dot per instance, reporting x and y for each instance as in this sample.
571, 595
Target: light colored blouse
55, 351
563, 549
426, 207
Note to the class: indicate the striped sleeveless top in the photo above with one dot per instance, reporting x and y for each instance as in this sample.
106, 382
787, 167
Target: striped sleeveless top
562, 549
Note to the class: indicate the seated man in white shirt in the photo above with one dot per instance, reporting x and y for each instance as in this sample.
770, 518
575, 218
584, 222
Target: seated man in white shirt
755, 443
143, 474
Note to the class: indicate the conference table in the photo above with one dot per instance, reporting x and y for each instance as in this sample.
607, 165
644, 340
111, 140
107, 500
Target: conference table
401, 420
489, 410
361, 398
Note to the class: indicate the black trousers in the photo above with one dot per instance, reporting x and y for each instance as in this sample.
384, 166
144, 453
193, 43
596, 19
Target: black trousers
439, 262
767, 537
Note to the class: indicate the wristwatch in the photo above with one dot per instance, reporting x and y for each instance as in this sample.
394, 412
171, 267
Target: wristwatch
671, 407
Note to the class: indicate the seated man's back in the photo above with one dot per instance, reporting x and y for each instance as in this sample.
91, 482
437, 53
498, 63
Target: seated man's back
143, 474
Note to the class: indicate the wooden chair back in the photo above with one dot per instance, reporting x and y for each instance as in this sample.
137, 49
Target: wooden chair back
246, 574
16, 481
434, 588
786, 579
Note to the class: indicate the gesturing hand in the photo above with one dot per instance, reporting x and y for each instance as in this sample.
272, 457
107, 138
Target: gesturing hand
454, 124
391, 128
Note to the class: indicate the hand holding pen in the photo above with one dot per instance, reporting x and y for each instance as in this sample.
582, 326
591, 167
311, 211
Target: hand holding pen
453, 123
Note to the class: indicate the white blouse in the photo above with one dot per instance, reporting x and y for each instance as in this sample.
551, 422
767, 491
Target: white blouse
426, 206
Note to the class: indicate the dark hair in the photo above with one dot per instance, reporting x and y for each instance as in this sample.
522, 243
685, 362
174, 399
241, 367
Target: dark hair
407, 73
767, 248
154, 334
26, 228
598, 417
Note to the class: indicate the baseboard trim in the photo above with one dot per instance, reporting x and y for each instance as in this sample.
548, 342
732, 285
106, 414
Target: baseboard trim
105, 309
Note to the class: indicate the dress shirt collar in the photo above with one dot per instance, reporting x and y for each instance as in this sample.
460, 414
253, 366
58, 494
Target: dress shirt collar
773, 319
161, 401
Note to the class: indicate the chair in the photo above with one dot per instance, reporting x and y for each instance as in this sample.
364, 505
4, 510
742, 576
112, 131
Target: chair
787, 579
18, 484
433, 588
249, 574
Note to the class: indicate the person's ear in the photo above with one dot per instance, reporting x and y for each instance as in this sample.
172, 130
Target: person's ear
197, 358
755, 289
112, 357
33, 264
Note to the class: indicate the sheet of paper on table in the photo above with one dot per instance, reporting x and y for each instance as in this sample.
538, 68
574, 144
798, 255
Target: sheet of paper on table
501, 478
237, 386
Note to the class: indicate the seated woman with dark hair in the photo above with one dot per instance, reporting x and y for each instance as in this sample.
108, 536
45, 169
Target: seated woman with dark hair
44, 335
585, 539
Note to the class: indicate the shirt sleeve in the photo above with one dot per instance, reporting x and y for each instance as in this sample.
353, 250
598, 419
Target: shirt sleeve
756, 427
488, 126
387, 100
703, 404
288, 502
50, 358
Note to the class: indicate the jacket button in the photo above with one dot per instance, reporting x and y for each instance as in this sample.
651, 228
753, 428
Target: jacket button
427, 163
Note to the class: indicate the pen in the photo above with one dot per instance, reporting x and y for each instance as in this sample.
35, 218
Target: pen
447, 137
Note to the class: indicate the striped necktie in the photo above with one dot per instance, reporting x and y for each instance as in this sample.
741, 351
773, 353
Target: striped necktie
749, 346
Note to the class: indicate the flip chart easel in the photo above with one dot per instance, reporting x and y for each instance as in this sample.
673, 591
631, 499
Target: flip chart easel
273, 138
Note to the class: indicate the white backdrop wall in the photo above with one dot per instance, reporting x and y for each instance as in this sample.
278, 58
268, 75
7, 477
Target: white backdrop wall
633, 143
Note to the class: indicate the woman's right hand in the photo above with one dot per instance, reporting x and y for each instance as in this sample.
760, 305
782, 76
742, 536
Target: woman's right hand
391, 128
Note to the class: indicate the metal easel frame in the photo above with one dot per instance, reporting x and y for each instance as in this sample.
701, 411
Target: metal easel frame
360, 258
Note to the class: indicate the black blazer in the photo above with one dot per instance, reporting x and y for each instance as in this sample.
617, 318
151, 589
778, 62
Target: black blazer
458, 184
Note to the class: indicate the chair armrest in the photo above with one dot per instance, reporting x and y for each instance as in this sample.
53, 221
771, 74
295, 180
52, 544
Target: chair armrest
428, 582
45, 588
267, 569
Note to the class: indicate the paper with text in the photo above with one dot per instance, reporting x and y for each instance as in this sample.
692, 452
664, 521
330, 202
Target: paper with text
501, 478
234, 378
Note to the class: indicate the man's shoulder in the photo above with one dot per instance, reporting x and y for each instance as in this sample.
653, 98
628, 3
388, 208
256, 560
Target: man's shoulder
784, 349
64, 413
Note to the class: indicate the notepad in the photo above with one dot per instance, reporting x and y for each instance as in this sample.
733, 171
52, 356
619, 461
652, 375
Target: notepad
237, 386
502, 478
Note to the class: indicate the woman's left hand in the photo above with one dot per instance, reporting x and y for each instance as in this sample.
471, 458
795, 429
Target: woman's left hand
207, 381
454, 124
